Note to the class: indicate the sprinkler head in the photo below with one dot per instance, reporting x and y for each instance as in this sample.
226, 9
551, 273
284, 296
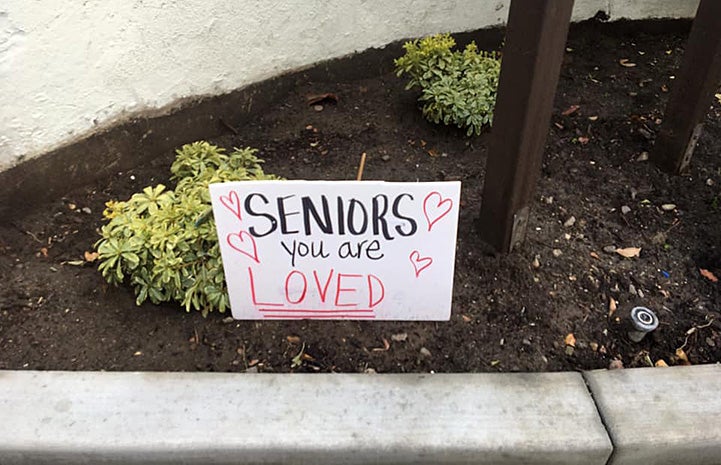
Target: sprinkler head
643, 321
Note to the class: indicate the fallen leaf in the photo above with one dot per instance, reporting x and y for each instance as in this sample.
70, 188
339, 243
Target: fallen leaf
321, 98
433, 153
297, 361
91, 256
681, 355
293, 339
611, 307
625, 63
570, 340
570, 110
629, 252
708, 275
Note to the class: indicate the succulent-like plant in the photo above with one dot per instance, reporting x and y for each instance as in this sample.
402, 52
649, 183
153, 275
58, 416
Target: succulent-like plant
163, 242
457, 88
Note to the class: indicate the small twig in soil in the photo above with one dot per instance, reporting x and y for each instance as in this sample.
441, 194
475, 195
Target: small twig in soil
675, 223
34, 237
361, 166
229, 127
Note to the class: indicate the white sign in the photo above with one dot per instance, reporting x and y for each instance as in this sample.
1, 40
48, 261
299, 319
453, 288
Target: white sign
338, 249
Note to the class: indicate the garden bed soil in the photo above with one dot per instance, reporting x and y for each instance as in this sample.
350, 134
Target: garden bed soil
510, 312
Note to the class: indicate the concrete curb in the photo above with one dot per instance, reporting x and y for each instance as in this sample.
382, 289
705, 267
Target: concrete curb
539, 418
661, 416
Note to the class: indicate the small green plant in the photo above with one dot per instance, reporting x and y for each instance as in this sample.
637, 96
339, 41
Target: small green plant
163, 242
457, 88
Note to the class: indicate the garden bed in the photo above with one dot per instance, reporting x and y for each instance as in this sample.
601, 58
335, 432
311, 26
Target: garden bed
597, 193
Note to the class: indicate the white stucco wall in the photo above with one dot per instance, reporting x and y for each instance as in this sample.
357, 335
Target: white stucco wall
68, 67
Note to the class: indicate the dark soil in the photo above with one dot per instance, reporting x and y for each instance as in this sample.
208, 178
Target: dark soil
510, 312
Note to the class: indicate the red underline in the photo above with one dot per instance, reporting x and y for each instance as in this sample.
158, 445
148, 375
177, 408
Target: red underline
297, 316
314, 310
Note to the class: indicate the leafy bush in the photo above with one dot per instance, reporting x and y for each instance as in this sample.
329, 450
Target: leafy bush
164, 242
456, 87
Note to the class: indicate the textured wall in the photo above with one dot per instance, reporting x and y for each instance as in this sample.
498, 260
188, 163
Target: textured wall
68, 67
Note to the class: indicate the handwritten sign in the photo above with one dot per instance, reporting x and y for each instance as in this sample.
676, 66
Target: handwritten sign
338, 249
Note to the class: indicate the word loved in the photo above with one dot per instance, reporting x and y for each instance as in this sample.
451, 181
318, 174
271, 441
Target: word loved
348, 293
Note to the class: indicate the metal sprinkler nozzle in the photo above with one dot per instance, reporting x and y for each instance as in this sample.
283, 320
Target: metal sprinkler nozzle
644, 321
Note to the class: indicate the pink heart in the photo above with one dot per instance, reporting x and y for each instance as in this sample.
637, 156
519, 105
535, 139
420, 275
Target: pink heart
419, 263
435, 210
244, 243
232, 203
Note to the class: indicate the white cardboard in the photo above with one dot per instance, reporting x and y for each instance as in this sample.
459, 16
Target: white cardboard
278, 265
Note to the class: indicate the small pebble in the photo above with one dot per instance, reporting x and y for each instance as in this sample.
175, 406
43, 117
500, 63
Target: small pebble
526, 342
643, 156
569, 350
710, 342
570, 222
536, 263
86, 210
228, 319
610, 249
593, 346
386, 158
425, 352
549, 200
615, 364
632, 289
318, 107
709, 182
625, 209
667, 207
400, 337
557, 252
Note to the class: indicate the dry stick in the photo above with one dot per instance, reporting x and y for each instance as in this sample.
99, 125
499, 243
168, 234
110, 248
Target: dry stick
360, 168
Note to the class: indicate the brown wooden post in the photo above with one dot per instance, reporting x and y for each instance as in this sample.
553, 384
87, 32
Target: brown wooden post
535, 44
692, 91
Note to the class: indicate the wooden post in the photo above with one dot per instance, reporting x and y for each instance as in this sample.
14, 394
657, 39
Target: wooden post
692, 91
535, 44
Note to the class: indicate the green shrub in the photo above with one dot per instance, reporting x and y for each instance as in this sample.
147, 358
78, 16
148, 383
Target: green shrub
457, 88
163, 242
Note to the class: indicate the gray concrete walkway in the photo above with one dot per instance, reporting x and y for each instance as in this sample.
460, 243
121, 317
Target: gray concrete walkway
669, 415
